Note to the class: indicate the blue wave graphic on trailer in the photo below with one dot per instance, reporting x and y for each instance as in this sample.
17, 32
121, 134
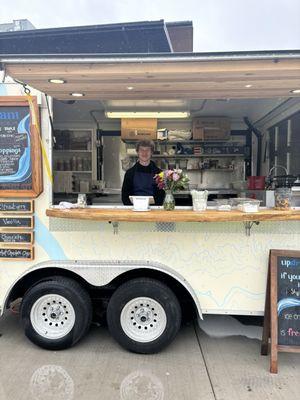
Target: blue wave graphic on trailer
287, 303
24, 171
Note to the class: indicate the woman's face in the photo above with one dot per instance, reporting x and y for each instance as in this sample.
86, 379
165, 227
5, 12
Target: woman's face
144, 154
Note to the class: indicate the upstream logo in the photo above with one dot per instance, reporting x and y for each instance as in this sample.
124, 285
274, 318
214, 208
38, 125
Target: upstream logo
290, 262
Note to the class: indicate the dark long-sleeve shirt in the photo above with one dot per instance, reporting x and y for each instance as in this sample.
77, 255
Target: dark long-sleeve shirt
128, 183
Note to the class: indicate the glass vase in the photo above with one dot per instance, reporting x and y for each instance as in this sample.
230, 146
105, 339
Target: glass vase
169, 201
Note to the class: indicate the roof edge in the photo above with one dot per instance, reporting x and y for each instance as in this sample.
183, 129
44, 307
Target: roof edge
150, 57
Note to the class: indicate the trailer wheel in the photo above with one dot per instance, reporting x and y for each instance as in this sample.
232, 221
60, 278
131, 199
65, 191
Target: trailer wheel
56, 314
143, 315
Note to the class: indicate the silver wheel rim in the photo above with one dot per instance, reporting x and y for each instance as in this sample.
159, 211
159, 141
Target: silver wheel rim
143, 319
52, 316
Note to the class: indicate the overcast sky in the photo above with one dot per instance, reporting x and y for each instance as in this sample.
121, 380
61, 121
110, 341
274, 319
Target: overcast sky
219, 25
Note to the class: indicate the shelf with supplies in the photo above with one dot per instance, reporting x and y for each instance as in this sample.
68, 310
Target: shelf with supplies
75, 172
190, 141
72, 151
73, 160
190, 155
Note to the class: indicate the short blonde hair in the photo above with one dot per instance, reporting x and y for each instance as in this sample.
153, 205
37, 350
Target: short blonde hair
145, 143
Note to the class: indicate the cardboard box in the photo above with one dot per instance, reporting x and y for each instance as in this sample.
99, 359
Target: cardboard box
211, 128
139, 128
197, 133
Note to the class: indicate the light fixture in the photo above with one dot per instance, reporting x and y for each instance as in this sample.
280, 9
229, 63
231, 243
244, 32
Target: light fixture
130, 87
248, 86
295, 91
147, 114
57, 81
77, 94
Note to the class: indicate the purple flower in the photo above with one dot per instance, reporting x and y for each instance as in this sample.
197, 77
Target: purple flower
175, 177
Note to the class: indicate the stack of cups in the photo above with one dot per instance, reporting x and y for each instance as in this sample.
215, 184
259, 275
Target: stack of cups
199, 199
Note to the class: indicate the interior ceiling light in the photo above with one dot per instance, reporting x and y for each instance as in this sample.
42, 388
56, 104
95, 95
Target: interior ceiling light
248, 86
130, 87
147, 114
295, 91
77, 94
57, 81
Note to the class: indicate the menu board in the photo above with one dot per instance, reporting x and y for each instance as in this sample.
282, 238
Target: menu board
16, 222
16, 237
20, 154
15, 143
16, 253
282, 308
288, 300
11, 206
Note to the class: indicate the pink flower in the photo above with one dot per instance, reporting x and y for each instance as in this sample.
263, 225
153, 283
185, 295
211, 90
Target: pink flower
175, 177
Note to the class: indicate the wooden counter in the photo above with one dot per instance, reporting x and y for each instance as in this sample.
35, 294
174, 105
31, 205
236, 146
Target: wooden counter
113, 214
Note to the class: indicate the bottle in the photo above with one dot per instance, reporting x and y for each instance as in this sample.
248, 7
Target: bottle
74, 163
79, 164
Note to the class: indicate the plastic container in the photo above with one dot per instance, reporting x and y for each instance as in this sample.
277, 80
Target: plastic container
234, 201
283, 198
223, 205
250, 206
256, 182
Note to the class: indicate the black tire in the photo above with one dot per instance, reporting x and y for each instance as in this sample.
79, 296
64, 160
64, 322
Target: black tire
147, 288
68, 289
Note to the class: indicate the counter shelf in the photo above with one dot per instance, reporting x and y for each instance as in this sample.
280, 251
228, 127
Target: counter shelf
125, 214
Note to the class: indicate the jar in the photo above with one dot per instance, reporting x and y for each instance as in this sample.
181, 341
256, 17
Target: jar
81, 200
283, 198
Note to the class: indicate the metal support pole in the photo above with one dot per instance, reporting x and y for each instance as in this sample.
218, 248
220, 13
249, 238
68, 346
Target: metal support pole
288, 152
115, 226
248, 225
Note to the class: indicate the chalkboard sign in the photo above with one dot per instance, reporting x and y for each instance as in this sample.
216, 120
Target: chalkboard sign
288, 300
16, 253
20, 152
16, 222
10, 206
282, 309
16, 237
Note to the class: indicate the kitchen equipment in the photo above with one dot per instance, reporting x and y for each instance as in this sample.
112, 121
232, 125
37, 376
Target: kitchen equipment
277, 181
283, 181
256, 182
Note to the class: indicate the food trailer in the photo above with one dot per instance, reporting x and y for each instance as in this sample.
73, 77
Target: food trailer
143, 270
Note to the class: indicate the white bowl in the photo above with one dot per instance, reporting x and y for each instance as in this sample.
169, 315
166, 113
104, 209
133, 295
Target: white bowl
140, 203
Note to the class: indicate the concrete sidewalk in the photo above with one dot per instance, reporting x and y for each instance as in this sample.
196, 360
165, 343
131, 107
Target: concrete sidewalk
196, 366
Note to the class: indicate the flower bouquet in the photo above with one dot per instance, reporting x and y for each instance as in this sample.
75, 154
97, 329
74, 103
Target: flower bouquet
171, 180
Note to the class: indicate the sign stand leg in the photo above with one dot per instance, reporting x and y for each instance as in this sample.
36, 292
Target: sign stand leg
274, 320
264, 351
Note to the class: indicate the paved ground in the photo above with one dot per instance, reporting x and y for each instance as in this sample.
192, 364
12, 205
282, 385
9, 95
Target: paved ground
197, 366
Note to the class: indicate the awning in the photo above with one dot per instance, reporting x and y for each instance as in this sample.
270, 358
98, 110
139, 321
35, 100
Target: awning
164, 76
